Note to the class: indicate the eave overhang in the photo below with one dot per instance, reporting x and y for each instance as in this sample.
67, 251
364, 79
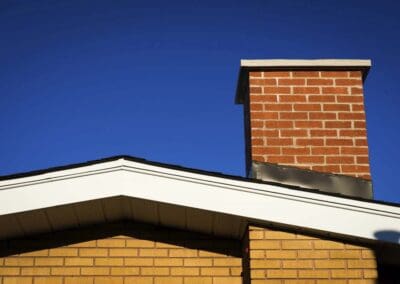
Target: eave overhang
122, 188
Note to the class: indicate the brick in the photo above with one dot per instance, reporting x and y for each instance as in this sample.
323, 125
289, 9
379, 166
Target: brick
227, 280
227, 262
198, 280
63, 252
346, 273
140, 261
324, 133
370, 273
352, 116
334, 74
111, 243
49, 261
109, 280
265, 263
361, 263
154, 271
256, 235
325, 150
78, 261
336, 107
303, 244
269, 74
95, 271
32, 271
314, 274
17, 280
292, 82
139, 280
348, 82
349, 99
307, 107
276, 90
330, 263
322, 99
168, 280
305, 90
310, 142
279, 141
265, 133
257, 273
48, 280
310, 159
185, 271
356, 91
340, 160
293, 115
263, 99
296, 151
44, 252
255, 90
168, 261
367, 254
183, 253
109, 261
335, 90
78, 279
18, 261
337, 124
322, 244
255, 74
297, 264
323, 115
123, 252
308, 124
293, 132
281, 254
281, 273
214, 271
279, 124
257, 253
264, 115
94, 252
65, 271
197, 262
305, 74
9, 271
319, 82
312, 254
278, 107
125, 271
262, 82
339, 142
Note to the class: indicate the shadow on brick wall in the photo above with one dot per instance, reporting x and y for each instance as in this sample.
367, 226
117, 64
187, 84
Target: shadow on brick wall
180, 238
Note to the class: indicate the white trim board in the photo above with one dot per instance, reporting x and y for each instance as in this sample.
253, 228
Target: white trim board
248, 201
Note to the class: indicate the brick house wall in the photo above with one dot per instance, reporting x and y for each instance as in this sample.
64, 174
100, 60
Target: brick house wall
309, 119
277, 256
121, 254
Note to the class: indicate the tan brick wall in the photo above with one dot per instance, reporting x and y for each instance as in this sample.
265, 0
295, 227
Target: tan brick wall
282, 257
153, 255
309, 119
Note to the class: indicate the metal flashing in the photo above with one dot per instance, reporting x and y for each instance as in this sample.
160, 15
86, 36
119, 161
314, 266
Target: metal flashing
322, 182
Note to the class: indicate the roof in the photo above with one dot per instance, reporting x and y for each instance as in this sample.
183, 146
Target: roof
247, 65
123, 187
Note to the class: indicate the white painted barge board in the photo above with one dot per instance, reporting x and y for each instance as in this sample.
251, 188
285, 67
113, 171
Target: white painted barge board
214, 194
305, 63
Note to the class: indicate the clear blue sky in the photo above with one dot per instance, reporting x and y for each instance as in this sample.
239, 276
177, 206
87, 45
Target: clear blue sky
82, 80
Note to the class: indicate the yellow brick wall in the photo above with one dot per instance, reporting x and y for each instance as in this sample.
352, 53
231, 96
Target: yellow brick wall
141, 254
276, 256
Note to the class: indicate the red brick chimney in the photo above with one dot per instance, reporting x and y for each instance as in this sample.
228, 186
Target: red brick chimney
306, 113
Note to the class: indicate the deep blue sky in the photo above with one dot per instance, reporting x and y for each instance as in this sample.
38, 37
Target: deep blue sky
82, 80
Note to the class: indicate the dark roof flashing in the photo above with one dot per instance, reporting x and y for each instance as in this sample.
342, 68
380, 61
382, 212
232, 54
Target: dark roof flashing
321, 182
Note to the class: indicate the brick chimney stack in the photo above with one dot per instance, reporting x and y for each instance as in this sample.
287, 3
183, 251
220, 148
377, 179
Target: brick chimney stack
307, 114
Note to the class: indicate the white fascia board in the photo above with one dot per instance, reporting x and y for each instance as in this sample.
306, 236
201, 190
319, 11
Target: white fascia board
252, 201
275, 63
